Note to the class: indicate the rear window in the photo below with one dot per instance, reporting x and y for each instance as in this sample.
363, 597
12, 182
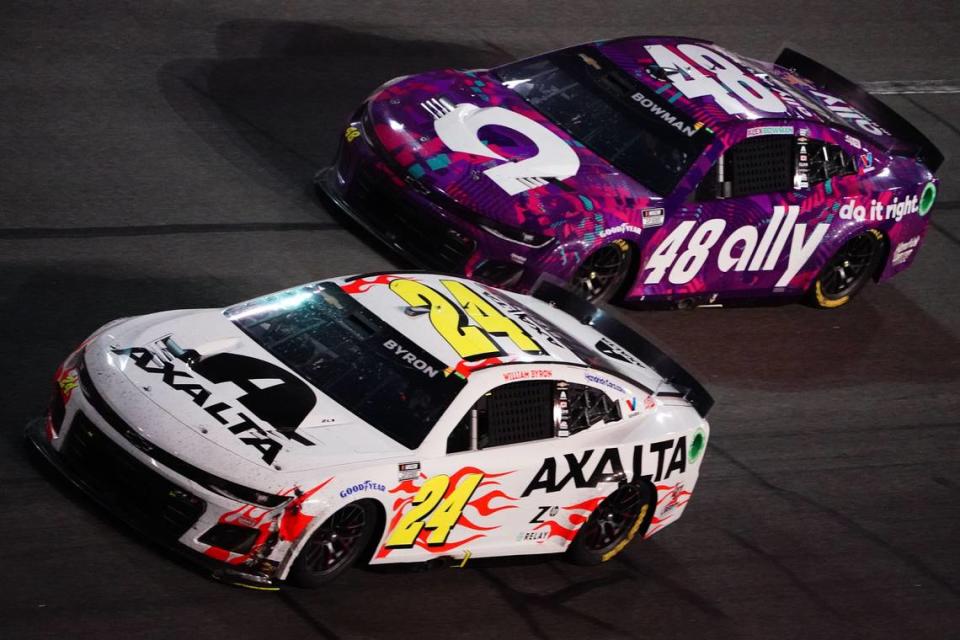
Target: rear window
352, 356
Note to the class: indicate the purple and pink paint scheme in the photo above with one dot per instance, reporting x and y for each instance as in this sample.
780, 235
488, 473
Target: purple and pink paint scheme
460, 171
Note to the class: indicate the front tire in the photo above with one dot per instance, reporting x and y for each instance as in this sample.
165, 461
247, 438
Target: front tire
613, 524
335, 545
601, 275
848, 271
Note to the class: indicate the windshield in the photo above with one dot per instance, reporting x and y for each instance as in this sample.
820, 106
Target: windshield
352, 356
612, 114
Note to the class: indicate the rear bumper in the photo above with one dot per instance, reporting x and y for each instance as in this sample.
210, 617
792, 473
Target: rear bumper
134, 500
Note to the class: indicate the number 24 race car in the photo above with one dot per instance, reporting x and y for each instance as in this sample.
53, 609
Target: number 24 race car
383, 418
651, 169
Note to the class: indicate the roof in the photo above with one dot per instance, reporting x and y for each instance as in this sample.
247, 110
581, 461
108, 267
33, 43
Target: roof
469, 326
457, 321
722, 95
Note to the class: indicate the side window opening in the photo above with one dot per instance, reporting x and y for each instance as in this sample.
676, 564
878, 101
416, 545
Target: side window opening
582, 407
823, 160
760, 165
764, 164
531, 410
510, 414
709, 187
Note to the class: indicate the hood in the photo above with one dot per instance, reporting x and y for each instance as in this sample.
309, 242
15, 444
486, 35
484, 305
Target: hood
195, 385
467, 140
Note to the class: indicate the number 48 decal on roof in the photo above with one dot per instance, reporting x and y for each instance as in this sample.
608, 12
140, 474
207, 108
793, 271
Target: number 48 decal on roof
732, 87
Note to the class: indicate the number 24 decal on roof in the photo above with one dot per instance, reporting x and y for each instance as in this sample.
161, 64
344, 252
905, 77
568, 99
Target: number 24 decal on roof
452, 320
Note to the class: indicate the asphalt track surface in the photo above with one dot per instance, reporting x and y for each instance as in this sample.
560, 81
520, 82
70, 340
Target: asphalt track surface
159, 155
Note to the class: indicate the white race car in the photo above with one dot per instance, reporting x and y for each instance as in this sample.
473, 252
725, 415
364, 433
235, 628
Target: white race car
383, 418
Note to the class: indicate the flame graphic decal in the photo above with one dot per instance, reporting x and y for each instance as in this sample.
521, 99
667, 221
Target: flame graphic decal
481, 503
465, 367
362, 285
671, 497
575, 514
289, 523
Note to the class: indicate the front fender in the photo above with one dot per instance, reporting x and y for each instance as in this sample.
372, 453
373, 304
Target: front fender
318, 509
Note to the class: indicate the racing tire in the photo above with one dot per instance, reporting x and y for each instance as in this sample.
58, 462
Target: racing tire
847, 271
335, 545
602, 274
613, 524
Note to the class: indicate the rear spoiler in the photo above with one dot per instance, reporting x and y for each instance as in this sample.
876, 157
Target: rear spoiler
910, 141
692, 391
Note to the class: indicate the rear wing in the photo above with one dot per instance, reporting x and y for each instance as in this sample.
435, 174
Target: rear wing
908, 141
692, 391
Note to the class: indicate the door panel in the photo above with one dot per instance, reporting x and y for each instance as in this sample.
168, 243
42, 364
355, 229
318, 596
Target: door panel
744, 245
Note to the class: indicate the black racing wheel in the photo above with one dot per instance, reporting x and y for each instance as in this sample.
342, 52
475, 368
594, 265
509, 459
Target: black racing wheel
613, 524
601, 275
335, 545
847, 271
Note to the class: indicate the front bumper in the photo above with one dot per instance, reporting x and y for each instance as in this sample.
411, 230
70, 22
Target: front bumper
407, 232
160, 510
422, 226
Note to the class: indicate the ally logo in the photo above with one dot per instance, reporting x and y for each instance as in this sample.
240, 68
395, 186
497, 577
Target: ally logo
686, 250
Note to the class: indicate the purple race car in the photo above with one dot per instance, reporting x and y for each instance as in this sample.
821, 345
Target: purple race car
650, 168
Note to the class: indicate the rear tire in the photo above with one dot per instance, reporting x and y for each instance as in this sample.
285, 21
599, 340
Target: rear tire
613, 524
335, 545
601, 275
847, 271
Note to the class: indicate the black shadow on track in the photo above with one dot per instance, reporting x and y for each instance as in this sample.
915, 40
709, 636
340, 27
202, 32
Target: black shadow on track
280, 93
796, 348
54, 309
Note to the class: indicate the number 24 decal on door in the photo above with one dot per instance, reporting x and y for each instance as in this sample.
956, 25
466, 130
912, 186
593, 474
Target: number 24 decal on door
733, 88
434, 510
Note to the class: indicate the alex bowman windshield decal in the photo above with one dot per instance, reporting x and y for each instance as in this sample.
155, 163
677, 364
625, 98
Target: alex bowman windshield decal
671, 119
242, 371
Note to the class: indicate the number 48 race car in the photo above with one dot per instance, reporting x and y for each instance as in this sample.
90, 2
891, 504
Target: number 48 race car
383, 418
654, 169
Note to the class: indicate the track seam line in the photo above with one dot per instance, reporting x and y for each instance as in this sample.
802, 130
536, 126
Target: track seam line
933, 114
947, 234
233, 112
847, 521
34, 233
